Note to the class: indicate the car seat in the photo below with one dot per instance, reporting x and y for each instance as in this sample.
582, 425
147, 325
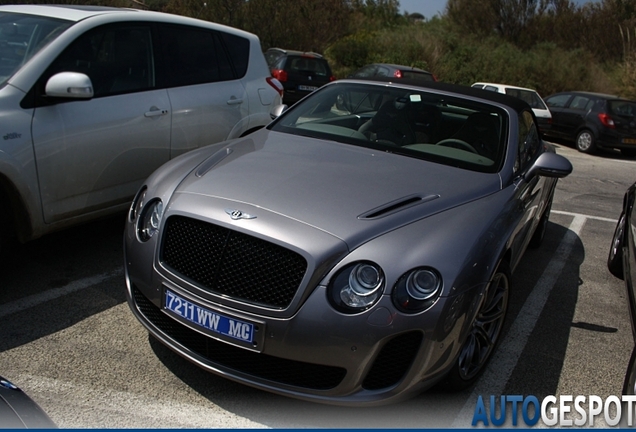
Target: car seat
481, 132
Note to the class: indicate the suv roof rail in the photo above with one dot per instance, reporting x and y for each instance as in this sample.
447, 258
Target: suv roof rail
296, 52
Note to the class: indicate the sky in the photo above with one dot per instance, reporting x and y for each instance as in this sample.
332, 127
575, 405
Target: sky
430, 8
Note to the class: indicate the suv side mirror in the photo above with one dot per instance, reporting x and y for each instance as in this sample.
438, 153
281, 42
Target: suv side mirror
277, 111
549, 165
69, 85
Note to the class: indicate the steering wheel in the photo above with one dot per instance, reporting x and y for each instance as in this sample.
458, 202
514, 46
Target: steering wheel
463, 145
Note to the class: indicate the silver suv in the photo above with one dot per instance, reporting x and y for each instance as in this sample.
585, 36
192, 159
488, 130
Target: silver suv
94, 99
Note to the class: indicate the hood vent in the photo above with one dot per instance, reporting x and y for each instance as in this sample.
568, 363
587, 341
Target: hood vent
397, 205
213, 160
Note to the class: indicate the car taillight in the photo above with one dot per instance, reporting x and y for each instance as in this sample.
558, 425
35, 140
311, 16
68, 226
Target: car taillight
274, 82
606, 120
332, 78
279, 74
434, 78
397, 74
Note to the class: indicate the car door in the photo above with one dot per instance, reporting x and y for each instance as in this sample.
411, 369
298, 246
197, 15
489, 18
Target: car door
629, 267
557, 105
572, 117
94, 154
532, 194
207, 97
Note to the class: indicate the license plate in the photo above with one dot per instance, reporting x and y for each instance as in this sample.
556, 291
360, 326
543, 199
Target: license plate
209, 320
629, 140
307, 88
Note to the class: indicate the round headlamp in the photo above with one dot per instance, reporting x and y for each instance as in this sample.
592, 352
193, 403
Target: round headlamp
417, 289
150, 220
356, 287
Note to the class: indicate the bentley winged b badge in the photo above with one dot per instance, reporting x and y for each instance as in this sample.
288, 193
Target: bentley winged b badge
238, 214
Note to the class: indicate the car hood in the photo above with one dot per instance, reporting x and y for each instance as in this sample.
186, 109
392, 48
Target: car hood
351, 192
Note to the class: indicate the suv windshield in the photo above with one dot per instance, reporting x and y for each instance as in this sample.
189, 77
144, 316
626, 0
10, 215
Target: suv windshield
22, 36
414, 123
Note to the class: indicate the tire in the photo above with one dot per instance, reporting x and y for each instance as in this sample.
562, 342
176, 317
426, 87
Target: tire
628, 152
539, 232
484, 334
615, 257
585, 141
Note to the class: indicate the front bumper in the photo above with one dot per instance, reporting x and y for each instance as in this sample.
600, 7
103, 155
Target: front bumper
319, 354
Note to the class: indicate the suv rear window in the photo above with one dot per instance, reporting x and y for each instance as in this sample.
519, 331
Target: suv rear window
199, 56
307, 64
622, 108
417, 76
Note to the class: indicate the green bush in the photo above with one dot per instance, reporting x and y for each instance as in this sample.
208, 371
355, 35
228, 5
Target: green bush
460, 59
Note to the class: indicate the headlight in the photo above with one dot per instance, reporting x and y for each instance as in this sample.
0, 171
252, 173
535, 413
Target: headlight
356, 287
150, 219
137, 204
417, 289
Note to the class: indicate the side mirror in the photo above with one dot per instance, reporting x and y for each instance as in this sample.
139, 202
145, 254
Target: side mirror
549, 165
277, 111
69, 85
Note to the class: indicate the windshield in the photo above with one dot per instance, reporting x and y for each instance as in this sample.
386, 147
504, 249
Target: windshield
22, 36
414, 123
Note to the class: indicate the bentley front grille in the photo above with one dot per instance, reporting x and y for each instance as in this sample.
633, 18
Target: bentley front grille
230, 263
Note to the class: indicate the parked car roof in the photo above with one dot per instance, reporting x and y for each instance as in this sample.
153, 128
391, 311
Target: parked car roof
392, 70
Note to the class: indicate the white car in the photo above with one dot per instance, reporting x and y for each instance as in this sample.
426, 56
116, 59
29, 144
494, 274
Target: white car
94, 99
540, 109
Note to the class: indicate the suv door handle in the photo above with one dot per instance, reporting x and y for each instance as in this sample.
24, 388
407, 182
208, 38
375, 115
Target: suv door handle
234, 101
154, 112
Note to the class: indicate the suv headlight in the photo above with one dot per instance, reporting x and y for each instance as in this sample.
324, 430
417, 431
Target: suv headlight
356, 287
417, 289
150, 220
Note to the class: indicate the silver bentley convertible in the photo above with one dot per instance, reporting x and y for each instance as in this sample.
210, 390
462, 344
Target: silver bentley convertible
355, 251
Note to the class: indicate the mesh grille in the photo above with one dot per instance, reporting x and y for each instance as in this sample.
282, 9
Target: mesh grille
231, 263
393, 362
295, 373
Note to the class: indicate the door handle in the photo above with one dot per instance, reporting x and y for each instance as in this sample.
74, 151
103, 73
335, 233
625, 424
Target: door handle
155, 112
234, 101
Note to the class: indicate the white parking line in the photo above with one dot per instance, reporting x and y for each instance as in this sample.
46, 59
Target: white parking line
584, 216
48, 295
501, 366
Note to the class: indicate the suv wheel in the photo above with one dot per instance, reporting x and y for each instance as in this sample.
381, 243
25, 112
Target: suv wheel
585, 142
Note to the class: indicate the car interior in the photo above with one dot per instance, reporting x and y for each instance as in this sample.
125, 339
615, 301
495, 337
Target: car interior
408, 122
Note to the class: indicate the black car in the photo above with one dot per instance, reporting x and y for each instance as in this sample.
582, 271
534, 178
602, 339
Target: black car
299, 72
19, 411
593, 121
621, 262
376, 70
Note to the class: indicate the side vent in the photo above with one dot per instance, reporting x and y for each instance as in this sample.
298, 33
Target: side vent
396, 206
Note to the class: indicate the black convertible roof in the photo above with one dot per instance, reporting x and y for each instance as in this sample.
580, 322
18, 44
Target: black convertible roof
513, 102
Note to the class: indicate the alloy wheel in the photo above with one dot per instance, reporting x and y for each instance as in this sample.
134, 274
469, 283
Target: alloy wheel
585, 141
486, 328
